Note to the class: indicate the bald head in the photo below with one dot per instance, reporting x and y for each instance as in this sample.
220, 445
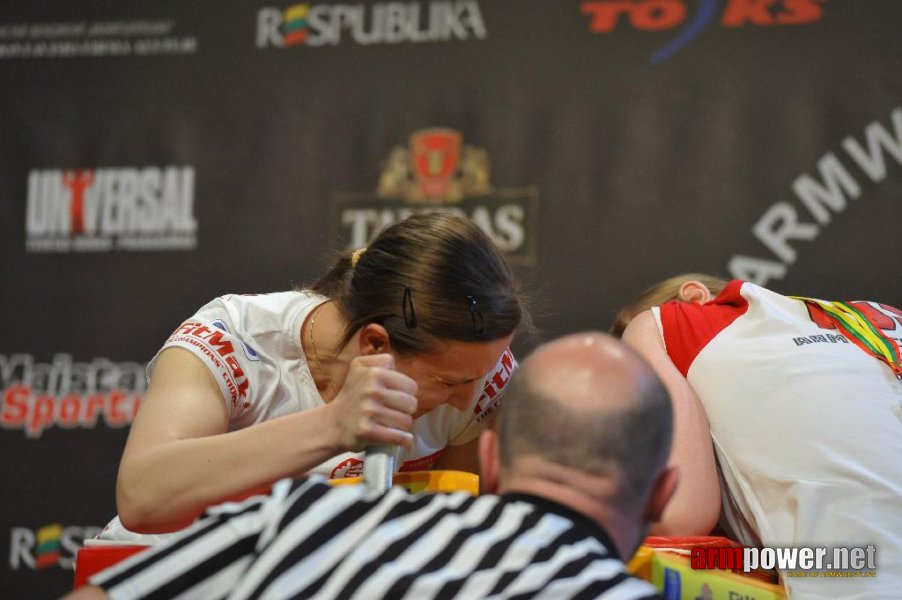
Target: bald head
589, 402
588, 371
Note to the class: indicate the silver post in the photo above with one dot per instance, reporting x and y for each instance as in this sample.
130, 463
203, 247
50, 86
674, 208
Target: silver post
378, 468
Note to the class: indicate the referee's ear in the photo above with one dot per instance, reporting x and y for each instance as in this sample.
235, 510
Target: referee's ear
662, 493
489, 462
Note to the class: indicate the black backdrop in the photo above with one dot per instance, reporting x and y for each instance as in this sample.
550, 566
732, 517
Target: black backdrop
155, 155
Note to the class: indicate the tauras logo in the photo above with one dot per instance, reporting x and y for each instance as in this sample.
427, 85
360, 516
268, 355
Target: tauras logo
148, 208
438, 172
67, 394
781, 227
382, 23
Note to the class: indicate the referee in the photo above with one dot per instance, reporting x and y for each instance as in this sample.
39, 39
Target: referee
573, 473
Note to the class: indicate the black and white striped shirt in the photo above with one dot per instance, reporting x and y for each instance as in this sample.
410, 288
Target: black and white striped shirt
311, 540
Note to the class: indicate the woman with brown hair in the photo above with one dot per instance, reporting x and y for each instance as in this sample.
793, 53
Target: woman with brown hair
403, 343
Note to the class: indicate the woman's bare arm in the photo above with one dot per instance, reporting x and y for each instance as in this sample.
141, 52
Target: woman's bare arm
695, 507
460, 458
180, 456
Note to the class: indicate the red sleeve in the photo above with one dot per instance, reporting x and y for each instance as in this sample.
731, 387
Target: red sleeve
688, 327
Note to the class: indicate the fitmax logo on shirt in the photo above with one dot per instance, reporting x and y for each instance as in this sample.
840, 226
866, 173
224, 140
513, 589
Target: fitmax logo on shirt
220, 352
384, 23
99, 210
489, 400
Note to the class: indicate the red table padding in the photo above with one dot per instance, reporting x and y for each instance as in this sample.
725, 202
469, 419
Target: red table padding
93, 559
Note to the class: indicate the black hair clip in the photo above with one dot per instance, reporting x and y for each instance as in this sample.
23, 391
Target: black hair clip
476, 316
410, 317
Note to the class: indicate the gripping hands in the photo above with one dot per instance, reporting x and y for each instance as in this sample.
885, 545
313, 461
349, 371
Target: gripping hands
374, 405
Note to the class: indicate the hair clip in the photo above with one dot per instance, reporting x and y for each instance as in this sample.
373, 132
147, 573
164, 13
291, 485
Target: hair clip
355, 256
410, 317
476, 316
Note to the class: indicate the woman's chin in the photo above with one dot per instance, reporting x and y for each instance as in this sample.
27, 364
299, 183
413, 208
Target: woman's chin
421, 412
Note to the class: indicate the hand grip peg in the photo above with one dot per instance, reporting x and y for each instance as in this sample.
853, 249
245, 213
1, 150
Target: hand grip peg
378, 468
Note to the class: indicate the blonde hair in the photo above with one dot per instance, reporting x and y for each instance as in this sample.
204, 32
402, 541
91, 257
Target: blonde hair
662, 292
355, 256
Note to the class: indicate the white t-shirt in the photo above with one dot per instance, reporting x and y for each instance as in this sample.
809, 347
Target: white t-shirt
252, 345
807, 427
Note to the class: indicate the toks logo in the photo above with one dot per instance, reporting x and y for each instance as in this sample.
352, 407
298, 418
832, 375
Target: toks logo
110, 209
48, 546
659, 15
438, 172
387, 23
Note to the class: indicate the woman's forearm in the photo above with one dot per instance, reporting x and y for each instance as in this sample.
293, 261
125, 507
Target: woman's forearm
165, 485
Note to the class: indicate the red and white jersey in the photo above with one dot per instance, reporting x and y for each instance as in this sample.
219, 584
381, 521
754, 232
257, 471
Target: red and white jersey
252, 344
807, 427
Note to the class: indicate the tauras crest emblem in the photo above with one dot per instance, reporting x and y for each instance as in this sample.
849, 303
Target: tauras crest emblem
435, 168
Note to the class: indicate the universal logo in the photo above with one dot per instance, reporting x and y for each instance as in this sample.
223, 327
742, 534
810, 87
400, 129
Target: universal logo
111, 209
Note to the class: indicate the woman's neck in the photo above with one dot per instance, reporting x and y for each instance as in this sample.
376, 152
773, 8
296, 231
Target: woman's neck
321, 337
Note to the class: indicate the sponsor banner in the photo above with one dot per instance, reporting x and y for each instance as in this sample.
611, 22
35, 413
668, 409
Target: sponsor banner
36, 396
437, 172
677, 17
110, 209
93, 39
786, 226
369, 24
52, 545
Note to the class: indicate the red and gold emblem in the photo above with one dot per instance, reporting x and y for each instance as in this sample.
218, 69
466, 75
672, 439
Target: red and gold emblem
436, 168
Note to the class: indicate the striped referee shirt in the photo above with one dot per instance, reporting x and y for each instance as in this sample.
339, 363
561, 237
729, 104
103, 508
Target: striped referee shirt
307, 539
